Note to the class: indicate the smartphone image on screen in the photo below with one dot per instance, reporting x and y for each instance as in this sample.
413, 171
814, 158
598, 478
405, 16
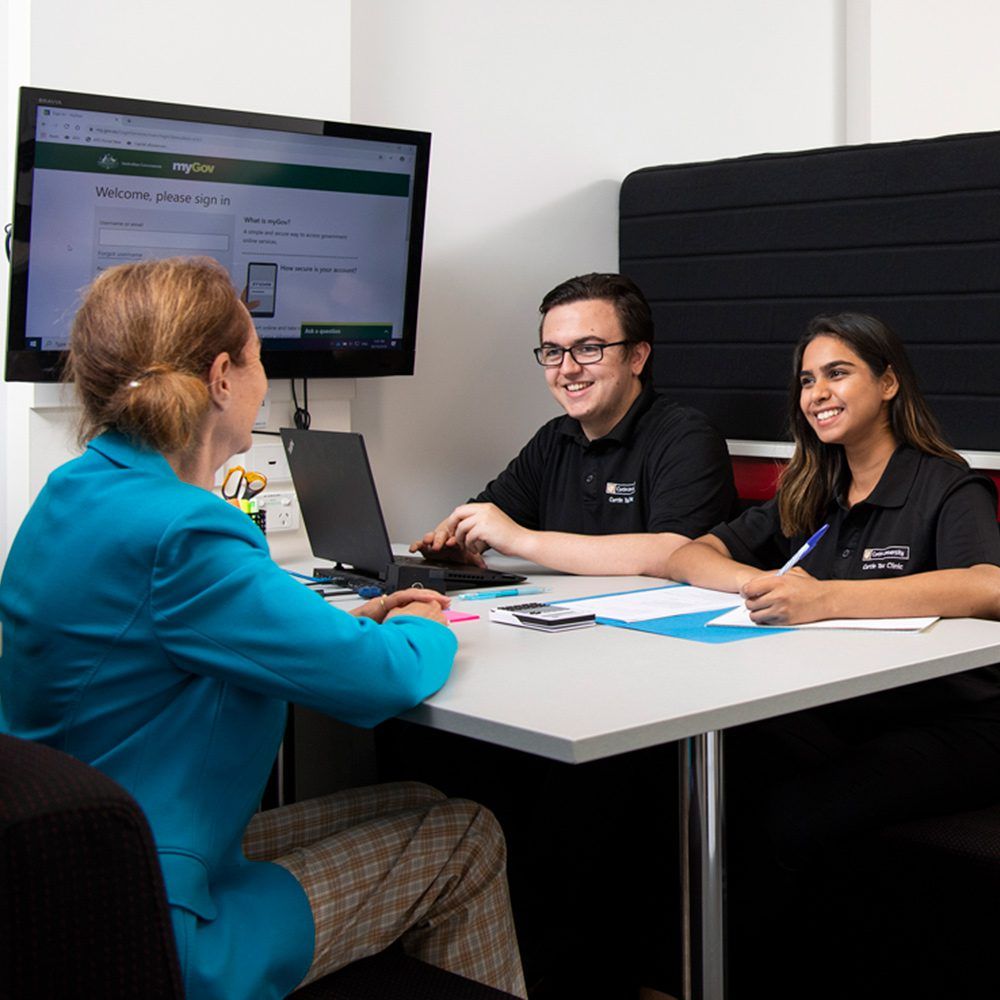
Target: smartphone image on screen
262, 288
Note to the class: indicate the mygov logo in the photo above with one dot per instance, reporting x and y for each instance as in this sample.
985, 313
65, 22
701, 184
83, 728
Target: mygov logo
193, 167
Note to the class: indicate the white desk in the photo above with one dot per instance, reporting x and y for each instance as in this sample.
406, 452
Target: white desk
595, 692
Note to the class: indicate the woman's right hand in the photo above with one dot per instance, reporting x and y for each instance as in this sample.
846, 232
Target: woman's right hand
792, 599
380, 608
422, 609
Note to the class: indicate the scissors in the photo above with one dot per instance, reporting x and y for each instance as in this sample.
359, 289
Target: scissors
239, 484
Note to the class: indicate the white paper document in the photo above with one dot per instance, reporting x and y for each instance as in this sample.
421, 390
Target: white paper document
740, 617
659, 602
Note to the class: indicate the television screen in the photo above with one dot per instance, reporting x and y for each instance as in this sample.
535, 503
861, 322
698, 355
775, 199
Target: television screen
319, 223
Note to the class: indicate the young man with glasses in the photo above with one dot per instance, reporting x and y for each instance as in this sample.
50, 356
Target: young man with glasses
613, 486
620, 481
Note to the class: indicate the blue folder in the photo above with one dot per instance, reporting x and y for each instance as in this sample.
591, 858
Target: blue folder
693, 627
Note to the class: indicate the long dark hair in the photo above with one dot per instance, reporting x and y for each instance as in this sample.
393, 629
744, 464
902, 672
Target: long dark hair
816, 470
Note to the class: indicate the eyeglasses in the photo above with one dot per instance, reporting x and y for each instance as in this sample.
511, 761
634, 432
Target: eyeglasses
551, 356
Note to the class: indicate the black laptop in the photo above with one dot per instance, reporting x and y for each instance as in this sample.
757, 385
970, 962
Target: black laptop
343, 518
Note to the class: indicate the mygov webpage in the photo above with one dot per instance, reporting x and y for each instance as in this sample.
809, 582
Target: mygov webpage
313, 229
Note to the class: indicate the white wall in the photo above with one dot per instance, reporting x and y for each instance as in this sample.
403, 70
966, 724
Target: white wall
292, 59
14, 399
934, 67
538, 111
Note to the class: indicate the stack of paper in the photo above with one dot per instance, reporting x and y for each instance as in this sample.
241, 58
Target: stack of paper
659, 602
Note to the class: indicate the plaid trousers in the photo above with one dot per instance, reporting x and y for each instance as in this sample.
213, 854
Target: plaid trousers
398, 861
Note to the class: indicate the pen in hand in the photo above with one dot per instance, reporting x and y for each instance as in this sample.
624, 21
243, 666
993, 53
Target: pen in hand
804, 551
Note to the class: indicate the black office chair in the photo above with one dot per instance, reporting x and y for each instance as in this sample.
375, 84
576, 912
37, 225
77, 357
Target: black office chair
910, 911
83, 912
939, 880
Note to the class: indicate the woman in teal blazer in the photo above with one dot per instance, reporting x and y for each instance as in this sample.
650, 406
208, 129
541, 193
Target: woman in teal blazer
147, 631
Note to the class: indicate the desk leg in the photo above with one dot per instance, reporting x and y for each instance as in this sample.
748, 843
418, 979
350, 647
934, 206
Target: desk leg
702, 891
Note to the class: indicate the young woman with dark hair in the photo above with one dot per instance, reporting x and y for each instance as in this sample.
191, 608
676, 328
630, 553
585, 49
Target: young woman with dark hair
912, 532
870, 461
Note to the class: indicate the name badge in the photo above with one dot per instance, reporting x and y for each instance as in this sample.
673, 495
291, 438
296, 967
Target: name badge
891, 557
620, 492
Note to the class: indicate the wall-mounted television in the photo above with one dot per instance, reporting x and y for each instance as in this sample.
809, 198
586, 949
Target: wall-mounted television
319, 223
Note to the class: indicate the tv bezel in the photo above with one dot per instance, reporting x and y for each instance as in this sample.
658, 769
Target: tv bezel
25, 365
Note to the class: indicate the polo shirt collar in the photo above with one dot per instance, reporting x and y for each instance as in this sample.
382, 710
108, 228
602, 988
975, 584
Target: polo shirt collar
622, 431
894, 486
124, 452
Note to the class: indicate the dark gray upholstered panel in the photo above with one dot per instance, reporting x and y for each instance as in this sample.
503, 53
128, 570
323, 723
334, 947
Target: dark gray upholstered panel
737, 255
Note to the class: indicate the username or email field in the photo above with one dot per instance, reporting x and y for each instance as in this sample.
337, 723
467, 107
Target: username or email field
218, 242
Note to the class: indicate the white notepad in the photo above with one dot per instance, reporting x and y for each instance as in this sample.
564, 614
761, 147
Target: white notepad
740, 618
657, 602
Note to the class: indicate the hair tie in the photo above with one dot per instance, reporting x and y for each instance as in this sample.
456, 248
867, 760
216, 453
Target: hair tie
139, 379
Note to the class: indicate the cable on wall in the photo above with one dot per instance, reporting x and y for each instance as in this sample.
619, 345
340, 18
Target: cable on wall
301, 417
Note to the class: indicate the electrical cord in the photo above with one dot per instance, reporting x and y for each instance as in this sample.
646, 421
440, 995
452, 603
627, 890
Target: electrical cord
301, 417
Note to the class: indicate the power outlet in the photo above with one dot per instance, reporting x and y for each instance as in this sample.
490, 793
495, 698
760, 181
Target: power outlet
281, 519
282, 511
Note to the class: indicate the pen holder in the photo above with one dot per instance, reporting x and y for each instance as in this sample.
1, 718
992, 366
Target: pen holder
260, 519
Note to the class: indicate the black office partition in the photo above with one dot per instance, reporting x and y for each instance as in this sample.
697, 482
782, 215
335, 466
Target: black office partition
737, 255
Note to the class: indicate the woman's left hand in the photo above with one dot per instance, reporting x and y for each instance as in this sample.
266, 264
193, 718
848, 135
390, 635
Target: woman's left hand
791, 599
378, 607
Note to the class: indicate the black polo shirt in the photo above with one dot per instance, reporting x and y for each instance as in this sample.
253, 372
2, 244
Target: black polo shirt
925, 513
663, 467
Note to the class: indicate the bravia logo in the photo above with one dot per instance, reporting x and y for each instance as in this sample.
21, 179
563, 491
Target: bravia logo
193, 167
107, 162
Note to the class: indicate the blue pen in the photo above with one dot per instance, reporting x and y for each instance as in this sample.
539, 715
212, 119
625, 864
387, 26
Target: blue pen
484, 595
804, 551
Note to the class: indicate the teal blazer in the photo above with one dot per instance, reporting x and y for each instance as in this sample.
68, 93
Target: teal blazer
147, 631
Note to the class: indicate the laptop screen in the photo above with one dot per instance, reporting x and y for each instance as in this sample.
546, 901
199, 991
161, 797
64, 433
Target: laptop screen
337, 496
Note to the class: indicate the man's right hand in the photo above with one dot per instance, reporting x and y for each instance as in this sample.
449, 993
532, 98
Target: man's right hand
442, 544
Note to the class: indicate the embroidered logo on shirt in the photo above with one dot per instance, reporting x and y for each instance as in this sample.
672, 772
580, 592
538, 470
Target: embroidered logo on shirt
620, 492
888, 552
887, 557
